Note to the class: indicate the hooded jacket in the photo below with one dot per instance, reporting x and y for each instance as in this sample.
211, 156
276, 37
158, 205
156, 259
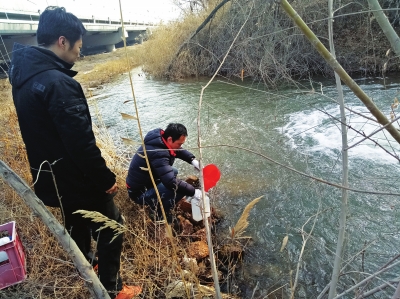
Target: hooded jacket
161, 160
56, 127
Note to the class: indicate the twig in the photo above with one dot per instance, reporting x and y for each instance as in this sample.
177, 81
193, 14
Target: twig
366, 280
305, 239
274, 291
339, 70
25, 192
255, 289
378, 288
373, 133
168, 227
362, 134
396, 294
388, 263
55, 186
208, 19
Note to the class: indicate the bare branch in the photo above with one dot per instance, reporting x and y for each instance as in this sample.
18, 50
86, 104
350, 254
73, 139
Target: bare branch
302, 173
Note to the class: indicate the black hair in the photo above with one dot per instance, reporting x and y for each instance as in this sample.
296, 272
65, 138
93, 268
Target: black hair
175, 131
55, 22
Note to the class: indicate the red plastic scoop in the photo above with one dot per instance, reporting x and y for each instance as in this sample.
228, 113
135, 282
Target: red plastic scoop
211, 176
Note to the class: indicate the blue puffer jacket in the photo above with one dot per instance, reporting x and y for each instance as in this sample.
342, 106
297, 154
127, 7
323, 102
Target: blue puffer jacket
161, 160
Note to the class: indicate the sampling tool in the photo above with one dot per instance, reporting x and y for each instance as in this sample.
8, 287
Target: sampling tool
211, 176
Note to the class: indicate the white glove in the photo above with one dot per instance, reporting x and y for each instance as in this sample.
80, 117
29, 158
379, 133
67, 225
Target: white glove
196, 164
197, 194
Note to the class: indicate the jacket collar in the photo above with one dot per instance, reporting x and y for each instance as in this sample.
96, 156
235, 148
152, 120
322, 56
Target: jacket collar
28, 61
171, 151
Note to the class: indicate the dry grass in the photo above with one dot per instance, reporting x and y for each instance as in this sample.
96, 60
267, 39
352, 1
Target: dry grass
243, 222
269, 48
92, 73
160, 50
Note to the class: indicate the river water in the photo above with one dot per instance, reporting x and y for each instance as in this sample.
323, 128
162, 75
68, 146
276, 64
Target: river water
295, 127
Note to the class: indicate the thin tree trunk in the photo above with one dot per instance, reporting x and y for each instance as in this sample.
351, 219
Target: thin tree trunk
345, 161
385, 25
85, 269
380, 117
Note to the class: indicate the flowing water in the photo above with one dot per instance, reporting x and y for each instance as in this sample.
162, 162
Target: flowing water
298, 128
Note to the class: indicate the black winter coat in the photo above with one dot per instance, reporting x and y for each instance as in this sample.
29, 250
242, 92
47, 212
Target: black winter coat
56, 127
161, 161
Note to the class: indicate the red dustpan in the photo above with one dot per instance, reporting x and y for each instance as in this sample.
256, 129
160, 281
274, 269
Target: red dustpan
211, 176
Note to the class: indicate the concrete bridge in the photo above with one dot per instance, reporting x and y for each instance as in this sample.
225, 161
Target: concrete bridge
21, 27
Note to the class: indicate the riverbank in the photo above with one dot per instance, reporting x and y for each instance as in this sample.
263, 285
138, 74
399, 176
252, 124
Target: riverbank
147, 258
268, 47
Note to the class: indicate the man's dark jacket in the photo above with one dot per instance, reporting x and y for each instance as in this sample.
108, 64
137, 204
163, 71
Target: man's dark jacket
56, 127
161, 160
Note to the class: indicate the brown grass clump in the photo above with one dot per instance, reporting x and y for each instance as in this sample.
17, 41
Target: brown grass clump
92, 74
159, 51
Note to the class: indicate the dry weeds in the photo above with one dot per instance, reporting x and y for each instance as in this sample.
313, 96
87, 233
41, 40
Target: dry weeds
270, 48
91, 73
159, 51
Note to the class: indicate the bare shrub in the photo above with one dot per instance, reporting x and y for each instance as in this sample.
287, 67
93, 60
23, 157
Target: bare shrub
270, 48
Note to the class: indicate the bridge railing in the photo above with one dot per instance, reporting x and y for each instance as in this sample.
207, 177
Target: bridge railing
32, 17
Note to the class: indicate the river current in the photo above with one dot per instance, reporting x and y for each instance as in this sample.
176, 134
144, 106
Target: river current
296, 127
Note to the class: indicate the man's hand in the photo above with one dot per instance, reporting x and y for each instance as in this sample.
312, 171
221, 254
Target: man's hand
113, 189
196, 164
197, 194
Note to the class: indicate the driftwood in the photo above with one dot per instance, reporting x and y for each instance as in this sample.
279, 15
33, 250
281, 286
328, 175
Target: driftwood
85, 269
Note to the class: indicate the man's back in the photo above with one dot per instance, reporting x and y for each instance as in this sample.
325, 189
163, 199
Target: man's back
55, 124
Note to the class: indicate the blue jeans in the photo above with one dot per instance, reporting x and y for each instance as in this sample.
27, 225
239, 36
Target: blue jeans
168, 197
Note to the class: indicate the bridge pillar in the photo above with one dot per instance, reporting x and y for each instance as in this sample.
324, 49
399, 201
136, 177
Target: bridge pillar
110, 48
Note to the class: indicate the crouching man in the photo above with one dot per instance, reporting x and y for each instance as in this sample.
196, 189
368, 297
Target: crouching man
162, 147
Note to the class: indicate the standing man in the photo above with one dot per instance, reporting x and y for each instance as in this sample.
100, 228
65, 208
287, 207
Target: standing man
162, 147
56, 127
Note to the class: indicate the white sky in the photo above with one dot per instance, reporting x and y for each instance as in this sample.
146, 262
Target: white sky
134, 10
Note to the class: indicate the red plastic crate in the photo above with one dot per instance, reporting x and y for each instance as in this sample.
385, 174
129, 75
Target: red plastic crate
12, 258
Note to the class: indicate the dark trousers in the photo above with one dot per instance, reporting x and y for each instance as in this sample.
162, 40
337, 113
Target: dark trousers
82, 229
168, 198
